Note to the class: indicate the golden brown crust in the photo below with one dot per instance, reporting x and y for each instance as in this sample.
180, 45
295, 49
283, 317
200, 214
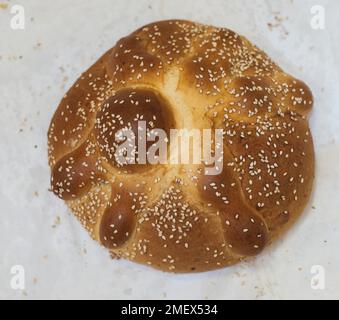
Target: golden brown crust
180, 74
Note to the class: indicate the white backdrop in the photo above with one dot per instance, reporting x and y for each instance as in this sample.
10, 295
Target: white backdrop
38, 64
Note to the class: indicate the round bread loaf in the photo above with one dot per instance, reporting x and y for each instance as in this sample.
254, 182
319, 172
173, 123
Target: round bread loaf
184, 75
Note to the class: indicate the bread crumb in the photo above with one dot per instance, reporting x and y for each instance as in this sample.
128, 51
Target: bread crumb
37, 46
56, 222
278, 24
260, 292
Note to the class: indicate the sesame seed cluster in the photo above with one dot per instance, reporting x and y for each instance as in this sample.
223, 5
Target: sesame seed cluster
181, 74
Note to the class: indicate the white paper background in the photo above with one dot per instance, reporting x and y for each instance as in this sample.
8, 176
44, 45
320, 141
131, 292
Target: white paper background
37, 65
